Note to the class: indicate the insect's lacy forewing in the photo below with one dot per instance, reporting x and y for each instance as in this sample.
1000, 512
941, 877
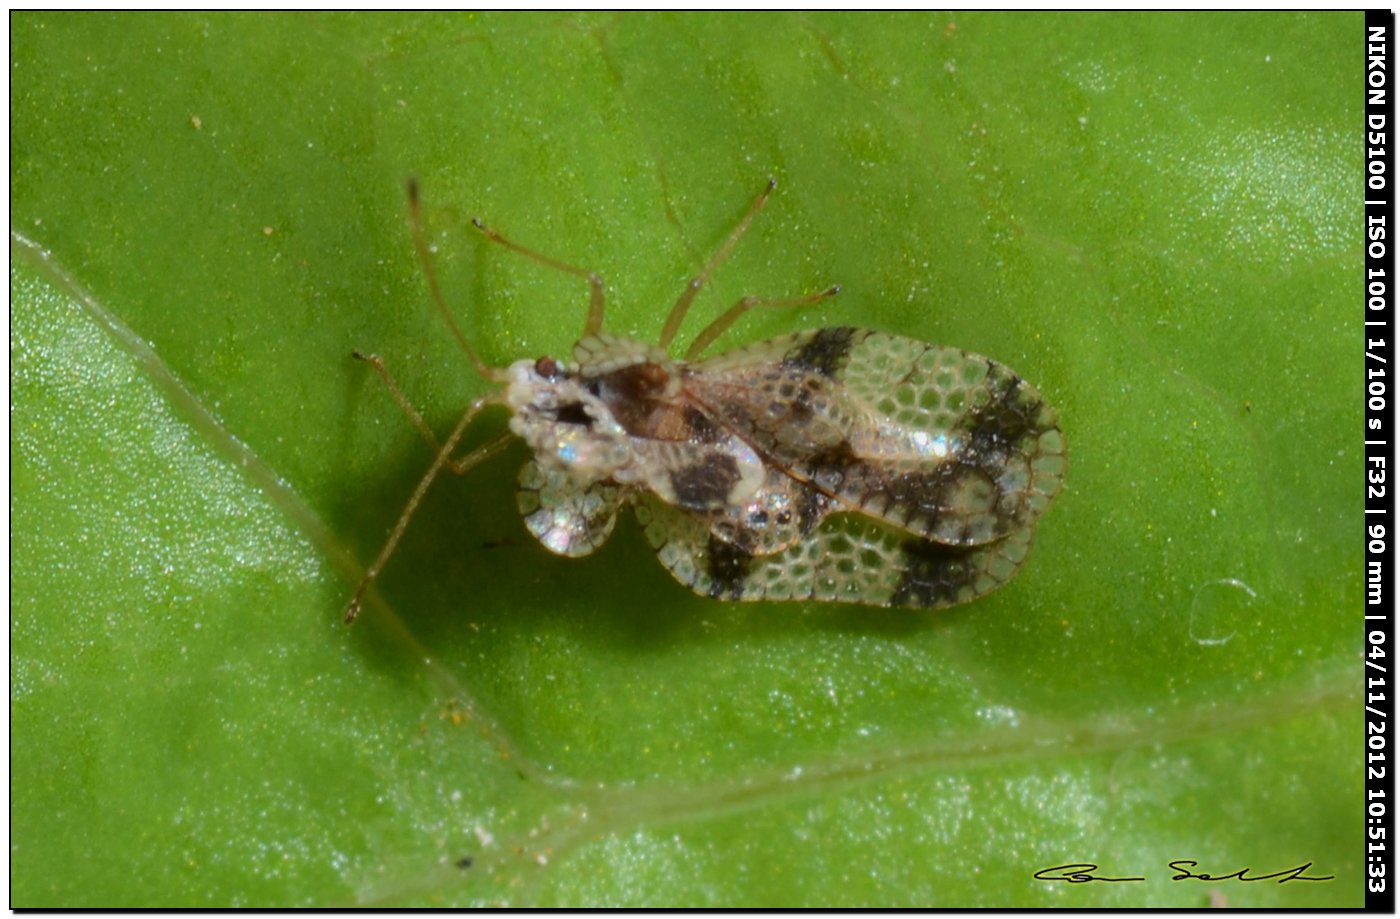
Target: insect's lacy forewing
937, 441
847, 559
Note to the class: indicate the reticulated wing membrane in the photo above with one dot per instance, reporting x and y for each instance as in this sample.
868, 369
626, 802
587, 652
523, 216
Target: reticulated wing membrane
934, 440
847, 559
566, 519
782, 512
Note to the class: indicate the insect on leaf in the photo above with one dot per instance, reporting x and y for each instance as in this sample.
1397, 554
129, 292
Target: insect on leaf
837, 464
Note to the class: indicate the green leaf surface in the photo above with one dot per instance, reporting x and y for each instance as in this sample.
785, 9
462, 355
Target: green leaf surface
1151, 217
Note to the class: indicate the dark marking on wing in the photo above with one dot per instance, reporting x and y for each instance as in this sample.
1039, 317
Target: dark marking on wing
831, 466
825, 353
707, 484
700, 427
741, 538
728, 569
928, 493
996, 428
933, 574
812, 507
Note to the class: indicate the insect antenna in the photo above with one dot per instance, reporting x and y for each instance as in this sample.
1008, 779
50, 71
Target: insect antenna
420, 243
673, 321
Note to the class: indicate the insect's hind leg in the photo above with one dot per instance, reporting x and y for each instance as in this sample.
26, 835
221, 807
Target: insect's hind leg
489, 449
717, 328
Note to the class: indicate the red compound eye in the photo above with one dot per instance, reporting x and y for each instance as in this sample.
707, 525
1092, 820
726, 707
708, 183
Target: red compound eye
547, 367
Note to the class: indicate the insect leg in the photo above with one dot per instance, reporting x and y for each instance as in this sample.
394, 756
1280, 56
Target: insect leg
457, 466
442, 459
484, 452
377, 363
673, 321
715, 329
595, 281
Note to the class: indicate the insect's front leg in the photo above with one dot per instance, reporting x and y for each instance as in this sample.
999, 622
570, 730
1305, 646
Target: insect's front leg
439, 462
454, 466
377, 364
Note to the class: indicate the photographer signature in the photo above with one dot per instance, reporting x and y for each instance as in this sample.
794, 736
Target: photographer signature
1084, 873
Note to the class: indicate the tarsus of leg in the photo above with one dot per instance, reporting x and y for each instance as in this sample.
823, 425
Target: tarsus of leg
595, 281
372, 573
717, 328
420, 243
677, 316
